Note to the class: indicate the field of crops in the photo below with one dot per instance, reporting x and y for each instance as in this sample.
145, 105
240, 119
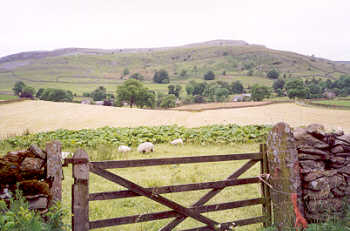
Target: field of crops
92, 138
40, 116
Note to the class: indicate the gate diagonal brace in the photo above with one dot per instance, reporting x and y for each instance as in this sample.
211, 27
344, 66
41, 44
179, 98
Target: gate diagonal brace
156, 197
171, 225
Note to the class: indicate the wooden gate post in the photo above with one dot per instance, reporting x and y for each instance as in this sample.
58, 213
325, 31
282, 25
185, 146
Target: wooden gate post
80, 191
54, 170
284, 176
265, 190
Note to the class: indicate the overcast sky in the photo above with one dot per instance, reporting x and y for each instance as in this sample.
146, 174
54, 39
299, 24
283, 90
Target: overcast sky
319, 27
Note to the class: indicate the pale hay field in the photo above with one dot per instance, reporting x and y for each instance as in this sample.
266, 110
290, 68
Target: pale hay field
37, 116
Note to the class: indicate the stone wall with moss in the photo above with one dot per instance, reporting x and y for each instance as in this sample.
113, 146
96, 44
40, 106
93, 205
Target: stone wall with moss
324, 160
27, 170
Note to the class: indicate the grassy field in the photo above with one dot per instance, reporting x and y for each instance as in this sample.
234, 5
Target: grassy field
38, 116
8, 97
170, 175
167, 175
214, 106
345, 103
81, 85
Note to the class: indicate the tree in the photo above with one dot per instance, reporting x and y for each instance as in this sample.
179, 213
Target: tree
174, 90
237, 87
315, 91
278, 84
40, 92
161, 76
168, 101
99, 94
126, 72
17, 89
135, 93
171, 89
297, 89
28, 92
137, 76
260, 92
273, 74
221, 94
209, 75
183, 73
57, 95
178, 89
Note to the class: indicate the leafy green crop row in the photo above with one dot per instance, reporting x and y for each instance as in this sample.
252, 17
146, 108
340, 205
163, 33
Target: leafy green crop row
214, 134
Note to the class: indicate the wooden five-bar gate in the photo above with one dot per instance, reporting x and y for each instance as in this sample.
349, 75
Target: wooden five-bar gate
81, 196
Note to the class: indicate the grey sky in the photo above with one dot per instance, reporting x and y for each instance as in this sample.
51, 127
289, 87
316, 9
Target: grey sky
319, 27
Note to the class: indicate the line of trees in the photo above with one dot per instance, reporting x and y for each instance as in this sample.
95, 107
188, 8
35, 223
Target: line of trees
311, 89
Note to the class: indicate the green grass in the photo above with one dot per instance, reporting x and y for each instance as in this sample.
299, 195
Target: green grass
345, 103
169, 175
8, 97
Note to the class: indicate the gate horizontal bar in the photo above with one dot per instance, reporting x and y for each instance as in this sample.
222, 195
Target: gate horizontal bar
169, 214
241, 222
174, 188
175, 160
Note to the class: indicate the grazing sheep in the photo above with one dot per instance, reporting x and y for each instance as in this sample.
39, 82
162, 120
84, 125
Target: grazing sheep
65, 154
177, 141
123, 148
145, 147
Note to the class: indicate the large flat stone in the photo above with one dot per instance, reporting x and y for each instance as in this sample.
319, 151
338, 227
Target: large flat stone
30, 163
37, 151
311, 165
38, 203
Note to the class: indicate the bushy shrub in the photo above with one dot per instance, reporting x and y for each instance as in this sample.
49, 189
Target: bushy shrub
57, 95
137, 76
28, 92
273, 74
17, 216
209, 75
168, 101
161, 76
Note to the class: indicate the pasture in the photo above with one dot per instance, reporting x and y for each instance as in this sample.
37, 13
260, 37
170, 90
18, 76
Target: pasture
170, 175
38, 116
345, 103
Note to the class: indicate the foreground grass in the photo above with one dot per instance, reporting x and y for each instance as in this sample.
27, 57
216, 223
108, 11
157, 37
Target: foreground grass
169, 175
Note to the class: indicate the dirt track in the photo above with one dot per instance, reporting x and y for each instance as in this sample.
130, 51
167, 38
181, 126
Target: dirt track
42, 116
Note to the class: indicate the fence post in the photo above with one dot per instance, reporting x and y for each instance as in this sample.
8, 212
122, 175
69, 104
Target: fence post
80, 192
54, 170
284, 176
266, 208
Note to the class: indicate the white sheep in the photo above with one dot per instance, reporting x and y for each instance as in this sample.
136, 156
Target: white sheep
145, 147
123, 148
65, 154
177, 141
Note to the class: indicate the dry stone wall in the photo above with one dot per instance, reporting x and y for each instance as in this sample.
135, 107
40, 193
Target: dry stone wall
29, 170
324, 160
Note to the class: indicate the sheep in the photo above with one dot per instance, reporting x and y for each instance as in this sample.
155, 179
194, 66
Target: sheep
65, 154
177, 141
123, 148
145, 147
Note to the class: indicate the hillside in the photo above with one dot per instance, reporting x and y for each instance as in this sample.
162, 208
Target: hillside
82, 69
